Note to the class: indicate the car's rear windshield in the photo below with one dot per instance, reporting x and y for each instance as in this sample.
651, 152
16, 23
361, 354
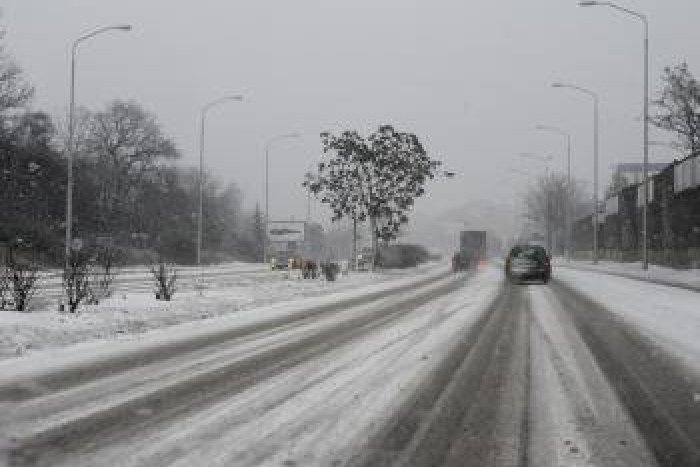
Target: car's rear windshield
529, 252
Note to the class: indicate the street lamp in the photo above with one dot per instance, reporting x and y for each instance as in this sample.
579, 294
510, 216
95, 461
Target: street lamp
203, 116
645, 22
567, 135
267, 183
594, 96
71, 124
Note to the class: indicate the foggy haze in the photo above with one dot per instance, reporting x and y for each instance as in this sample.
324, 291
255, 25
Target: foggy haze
471, 79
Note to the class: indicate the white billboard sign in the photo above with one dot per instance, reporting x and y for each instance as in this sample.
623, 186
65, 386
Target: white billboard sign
285, 231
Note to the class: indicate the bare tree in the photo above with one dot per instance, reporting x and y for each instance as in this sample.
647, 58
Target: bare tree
4, 287
678, 107
104, 273
126, 143
546, 206
15, 91
23, 278
76, 279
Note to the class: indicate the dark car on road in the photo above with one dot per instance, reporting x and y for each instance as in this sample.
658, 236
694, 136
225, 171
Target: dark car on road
528, 262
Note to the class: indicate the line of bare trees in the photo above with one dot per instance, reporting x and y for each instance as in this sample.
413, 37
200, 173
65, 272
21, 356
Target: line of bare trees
129, 192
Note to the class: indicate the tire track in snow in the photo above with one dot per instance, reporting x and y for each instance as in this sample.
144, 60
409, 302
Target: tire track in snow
455, 414
112, 423
576, 417
654, 386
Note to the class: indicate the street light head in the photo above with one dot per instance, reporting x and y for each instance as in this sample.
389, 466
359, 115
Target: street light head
557, 85
125, 27
588, 3
238, 98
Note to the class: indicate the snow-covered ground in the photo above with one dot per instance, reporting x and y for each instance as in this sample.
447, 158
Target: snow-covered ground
317, 413
202, 294
668, 315
686, 278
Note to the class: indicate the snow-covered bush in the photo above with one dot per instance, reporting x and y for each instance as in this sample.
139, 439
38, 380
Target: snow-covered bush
22, 278
330, 271
103, 274
4, 287
164, 276
76, 279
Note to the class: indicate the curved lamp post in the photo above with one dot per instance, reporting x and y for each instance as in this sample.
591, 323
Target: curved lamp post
593, 96
567, 135
205, 109
71, 129
645, 22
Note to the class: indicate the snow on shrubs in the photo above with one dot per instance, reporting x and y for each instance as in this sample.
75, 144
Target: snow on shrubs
89, 277
165, 277
76, 280
19, 284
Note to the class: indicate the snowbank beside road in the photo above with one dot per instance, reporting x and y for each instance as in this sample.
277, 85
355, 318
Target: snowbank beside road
689, 278
668, 315
227, 291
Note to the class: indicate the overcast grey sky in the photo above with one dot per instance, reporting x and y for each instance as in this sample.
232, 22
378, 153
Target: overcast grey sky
470, 78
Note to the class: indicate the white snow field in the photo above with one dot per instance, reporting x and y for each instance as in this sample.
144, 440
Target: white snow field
689, 278
669, 315
202, 294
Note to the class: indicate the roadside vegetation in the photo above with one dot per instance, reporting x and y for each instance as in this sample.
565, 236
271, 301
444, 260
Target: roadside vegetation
373, 179
129, 190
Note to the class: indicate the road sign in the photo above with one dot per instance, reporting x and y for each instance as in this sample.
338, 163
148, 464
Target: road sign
285, 231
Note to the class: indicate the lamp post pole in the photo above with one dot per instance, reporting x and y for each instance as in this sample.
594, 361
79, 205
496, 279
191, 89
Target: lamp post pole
567, 135
594, 96
267, 184
203, 116
645, 22
71, 130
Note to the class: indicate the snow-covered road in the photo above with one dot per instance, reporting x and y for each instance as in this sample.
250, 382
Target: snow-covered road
131, 393
435, 369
